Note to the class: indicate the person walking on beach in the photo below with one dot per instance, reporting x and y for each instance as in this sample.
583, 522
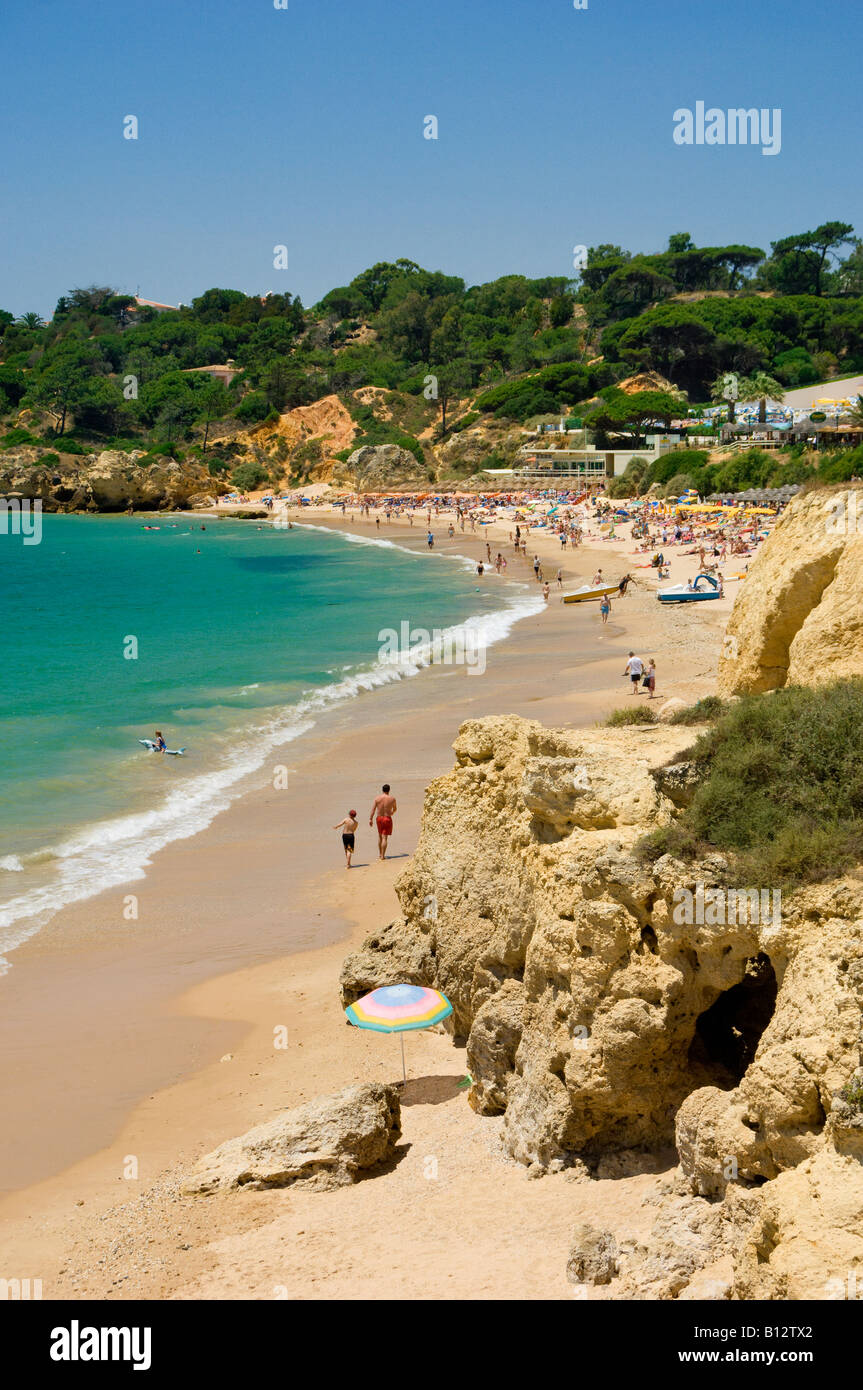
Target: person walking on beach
605, 609
536, 567
634, 669
430, 540
348, 827
560, 579
546, 591
383, 809
650, 678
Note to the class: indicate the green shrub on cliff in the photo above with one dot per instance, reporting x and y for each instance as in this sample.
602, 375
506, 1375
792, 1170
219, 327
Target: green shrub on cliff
249, 476
852, 1093
14, 439
637, 713
781, 787
702, 712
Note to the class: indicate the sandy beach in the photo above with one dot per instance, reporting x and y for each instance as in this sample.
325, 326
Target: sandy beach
133, 1047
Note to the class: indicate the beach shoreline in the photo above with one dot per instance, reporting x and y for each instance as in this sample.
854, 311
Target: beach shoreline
89, 1090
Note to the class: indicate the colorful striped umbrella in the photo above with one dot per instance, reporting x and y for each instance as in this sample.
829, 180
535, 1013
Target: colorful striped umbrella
399, 1009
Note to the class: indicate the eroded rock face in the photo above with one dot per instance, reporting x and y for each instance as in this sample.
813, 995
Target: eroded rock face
326, 1143
377, 466
799, 617
109, 482
807, 1240
593, 1256
595, 1019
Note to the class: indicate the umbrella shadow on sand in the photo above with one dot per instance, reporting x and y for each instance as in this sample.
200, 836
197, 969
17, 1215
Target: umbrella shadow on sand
431, 1090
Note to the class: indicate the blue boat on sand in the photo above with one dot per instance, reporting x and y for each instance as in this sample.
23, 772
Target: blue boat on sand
682, 593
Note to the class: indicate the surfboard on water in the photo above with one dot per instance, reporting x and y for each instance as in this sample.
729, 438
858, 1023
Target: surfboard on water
151, 748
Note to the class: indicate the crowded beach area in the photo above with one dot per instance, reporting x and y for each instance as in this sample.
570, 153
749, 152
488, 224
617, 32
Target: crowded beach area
661, 546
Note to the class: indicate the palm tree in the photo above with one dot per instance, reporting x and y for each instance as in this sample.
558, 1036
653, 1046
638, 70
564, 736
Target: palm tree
761, 386
725, 390
31, 320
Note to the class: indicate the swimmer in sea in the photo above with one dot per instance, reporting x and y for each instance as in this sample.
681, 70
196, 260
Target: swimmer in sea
348, 827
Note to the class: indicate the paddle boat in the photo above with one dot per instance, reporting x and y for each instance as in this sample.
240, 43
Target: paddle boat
682, 593
589, 591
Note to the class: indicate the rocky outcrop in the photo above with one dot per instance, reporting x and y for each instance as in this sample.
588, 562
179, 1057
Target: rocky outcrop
376, 467
594, 1019
807, 1239
108, 482
606, 1013
798, 619
329, 1142
593, 1256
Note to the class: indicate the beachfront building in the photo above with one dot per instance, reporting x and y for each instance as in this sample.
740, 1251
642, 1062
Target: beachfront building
830, 433
588, 463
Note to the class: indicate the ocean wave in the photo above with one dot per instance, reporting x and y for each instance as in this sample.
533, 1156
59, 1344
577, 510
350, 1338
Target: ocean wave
463, 561
110, 853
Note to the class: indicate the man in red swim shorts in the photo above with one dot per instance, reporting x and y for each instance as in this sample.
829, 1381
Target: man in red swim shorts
384, 809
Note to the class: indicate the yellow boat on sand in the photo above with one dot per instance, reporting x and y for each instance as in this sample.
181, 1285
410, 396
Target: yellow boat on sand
589, 591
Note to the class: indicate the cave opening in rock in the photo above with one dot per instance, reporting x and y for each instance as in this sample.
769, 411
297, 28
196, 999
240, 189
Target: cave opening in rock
728, 1033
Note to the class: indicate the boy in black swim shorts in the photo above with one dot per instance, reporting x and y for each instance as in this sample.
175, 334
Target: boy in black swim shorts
348, 828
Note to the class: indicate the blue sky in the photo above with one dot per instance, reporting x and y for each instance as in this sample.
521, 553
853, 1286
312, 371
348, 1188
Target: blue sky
304, 127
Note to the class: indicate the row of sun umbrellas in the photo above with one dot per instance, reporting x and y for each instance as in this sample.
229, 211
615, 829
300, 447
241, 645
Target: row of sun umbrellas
759, 494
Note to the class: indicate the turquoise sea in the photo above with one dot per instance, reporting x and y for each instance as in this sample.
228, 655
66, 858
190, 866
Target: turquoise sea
230, 639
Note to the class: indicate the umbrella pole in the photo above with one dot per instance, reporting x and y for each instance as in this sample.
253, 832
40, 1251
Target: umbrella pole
404, 1073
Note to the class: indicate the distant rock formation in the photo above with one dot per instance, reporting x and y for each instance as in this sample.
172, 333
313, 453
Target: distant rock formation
326, 1143
376, 467
108, 482
798, 619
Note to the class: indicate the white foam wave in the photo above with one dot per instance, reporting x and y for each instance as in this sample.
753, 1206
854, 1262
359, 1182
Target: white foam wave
462, 561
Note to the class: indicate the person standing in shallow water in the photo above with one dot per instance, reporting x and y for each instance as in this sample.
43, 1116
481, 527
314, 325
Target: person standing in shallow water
348, 827
383, 809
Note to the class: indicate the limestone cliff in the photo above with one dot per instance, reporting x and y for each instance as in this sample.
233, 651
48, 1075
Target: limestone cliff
598, 1023
107, 482
376, 467
799, 616
326, 422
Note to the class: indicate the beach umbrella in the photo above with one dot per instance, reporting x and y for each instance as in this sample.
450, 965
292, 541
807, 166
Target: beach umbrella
399, 1009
